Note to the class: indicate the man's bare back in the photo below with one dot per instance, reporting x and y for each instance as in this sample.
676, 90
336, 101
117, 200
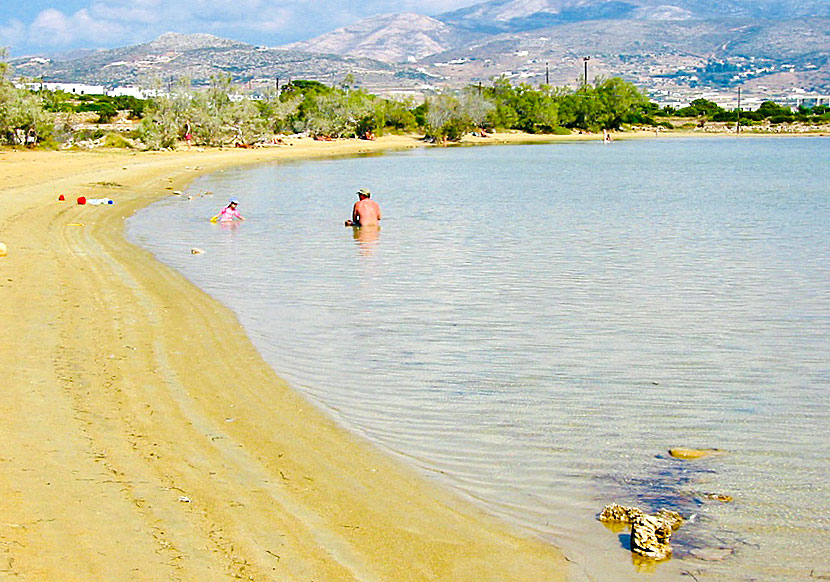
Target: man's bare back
366, 212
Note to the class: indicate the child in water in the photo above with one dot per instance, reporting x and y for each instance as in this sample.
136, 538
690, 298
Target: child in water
229, 213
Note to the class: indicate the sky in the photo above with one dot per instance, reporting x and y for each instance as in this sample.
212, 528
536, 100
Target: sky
29, 27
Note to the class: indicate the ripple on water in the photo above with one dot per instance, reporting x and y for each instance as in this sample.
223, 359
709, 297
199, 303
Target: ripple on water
536, 326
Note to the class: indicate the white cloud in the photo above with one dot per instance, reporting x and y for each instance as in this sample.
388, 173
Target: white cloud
233, 10
130, 12
275, 21
12, 33
53, 28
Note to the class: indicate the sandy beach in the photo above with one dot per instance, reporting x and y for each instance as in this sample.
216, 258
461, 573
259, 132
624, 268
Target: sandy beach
143, 436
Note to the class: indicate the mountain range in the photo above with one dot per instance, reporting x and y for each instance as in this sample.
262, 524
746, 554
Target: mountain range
658, 44
201, 58
524, 15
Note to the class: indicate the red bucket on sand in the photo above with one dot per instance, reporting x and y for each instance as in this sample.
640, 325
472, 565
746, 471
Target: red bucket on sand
61, 197
81, 199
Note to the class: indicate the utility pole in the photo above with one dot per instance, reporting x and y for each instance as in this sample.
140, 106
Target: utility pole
738, 126
585, 60
547, 74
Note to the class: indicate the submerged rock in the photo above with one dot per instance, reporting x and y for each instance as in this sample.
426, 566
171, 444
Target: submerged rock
691, 454
718, 497
651, 537
674, 519
619, 513
650, 534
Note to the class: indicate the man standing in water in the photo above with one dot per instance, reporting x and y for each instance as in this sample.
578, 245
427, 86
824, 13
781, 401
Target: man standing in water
366, 212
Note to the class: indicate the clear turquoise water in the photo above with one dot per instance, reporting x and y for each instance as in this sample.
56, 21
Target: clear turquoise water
535, 326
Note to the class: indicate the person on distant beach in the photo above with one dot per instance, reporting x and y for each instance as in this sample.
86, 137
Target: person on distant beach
188, 137
366, 212
229, 213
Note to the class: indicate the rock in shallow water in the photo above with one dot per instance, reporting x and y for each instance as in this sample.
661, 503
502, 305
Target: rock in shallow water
619, 513
672, 518
691, 454
718, 497
650, 534
651, 537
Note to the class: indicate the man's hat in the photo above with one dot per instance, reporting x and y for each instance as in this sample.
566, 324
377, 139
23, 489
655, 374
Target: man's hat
364, 192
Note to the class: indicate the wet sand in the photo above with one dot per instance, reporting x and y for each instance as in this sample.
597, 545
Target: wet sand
144, 438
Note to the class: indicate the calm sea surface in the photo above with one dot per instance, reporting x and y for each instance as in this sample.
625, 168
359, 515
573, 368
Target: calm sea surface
535, 326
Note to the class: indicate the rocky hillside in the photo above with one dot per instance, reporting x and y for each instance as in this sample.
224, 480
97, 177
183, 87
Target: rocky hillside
199, 57
654, 54
394, 38
655, 43
523, 15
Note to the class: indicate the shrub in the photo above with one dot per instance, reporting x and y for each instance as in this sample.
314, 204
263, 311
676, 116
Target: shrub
116, 140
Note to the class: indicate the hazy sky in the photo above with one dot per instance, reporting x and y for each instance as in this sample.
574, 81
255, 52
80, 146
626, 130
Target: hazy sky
42, 26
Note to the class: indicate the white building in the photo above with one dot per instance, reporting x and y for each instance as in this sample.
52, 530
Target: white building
130, 92
75, 88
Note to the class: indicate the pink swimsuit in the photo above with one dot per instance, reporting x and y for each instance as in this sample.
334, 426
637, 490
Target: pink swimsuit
228, 214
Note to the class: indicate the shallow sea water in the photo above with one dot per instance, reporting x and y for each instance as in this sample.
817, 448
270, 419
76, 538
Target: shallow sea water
534, 326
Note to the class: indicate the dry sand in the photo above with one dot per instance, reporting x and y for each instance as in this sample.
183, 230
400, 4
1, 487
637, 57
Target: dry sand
144, 438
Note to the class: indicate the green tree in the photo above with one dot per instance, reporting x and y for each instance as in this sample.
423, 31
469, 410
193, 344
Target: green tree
348, 82
57, 101
526, 108
22, 117
278, 112
617, 102
769, 109
244, 122
700, 108
502, 95
578, 109
538, 111
160, 128
365, 114
209, 113
608, 104
475, 107
166, 116
398, 116
445, 119
327, 115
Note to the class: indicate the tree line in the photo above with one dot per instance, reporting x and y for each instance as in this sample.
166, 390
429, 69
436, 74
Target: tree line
706, 110
216, 117
222, 114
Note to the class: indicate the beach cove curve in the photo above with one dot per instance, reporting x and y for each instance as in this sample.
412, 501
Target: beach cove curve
129, 452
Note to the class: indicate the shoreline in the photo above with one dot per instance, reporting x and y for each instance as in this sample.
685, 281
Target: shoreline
145, 438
